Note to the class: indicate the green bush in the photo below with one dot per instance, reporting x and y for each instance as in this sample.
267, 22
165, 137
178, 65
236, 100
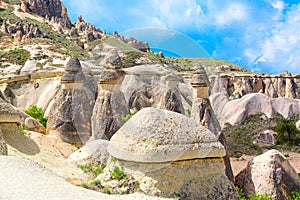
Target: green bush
118, 173
93, 169
260, 197
37, 113
295, 195
288, 133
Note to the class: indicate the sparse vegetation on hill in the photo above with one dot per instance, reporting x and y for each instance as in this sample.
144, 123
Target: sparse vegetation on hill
16, 56
240, 137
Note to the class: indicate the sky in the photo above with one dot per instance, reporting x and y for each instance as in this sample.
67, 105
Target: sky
260, 35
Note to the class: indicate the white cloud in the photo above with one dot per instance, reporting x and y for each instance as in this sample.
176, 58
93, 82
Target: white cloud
281, 46
233, 12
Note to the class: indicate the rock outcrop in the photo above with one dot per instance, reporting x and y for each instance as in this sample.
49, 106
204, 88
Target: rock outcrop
9, 119
137, 44
94, 152
53, 10
203, 113
235, 86
110, 106
160, 145
237, 110
70, 114
270, 174
171, 98
90, 31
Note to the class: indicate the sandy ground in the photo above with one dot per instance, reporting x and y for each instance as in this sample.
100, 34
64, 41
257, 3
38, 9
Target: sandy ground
240, 164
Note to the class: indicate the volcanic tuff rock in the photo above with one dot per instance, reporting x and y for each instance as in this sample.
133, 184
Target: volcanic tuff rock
3, 146
269, 173
53, 10
236, 111
71, 111
110, 106
94, 152
160, 145
235, 85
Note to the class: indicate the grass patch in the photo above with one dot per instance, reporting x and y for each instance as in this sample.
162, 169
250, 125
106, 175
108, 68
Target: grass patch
92, 169
240, 137
16, 56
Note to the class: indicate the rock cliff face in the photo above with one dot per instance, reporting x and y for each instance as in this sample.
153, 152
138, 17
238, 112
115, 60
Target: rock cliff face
52, 10
70, 114
236, 86
20, 30
270, 174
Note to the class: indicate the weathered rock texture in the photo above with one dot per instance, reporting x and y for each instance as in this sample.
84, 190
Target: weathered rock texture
3, 146
70, 115
236, 86
270, 174
9, 118
142, 46
160, 145
110, 106
53, 10
94, 152
203, 113
237, 110
171, 98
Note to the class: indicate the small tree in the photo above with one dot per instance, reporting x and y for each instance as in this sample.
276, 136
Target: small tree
287, 130
37, 113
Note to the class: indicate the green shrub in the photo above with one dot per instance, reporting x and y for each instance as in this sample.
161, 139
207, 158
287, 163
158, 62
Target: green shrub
288, 133
127, 117
118, 173
93, 169
37, 113
260, 197
295, 195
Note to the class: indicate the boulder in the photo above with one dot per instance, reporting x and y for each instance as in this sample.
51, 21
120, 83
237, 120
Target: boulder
171, 100
160, 145
32, 124
269, 173
94, 152
265, 139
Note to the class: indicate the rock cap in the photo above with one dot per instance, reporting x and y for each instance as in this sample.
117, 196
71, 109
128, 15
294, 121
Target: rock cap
199, 78
158, 136
7, 113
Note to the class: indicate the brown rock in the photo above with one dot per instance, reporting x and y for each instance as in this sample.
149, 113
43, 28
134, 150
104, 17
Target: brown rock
33, 125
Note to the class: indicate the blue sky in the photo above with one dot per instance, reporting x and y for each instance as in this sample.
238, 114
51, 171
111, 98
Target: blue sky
261, 35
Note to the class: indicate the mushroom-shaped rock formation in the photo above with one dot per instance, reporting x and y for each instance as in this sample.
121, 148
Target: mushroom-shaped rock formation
110, 106
9, 118
203, 113
157, 146
71, 111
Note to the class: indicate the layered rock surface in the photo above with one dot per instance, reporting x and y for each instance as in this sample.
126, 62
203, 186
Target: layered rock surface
235, 86
110, 106
270, 174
